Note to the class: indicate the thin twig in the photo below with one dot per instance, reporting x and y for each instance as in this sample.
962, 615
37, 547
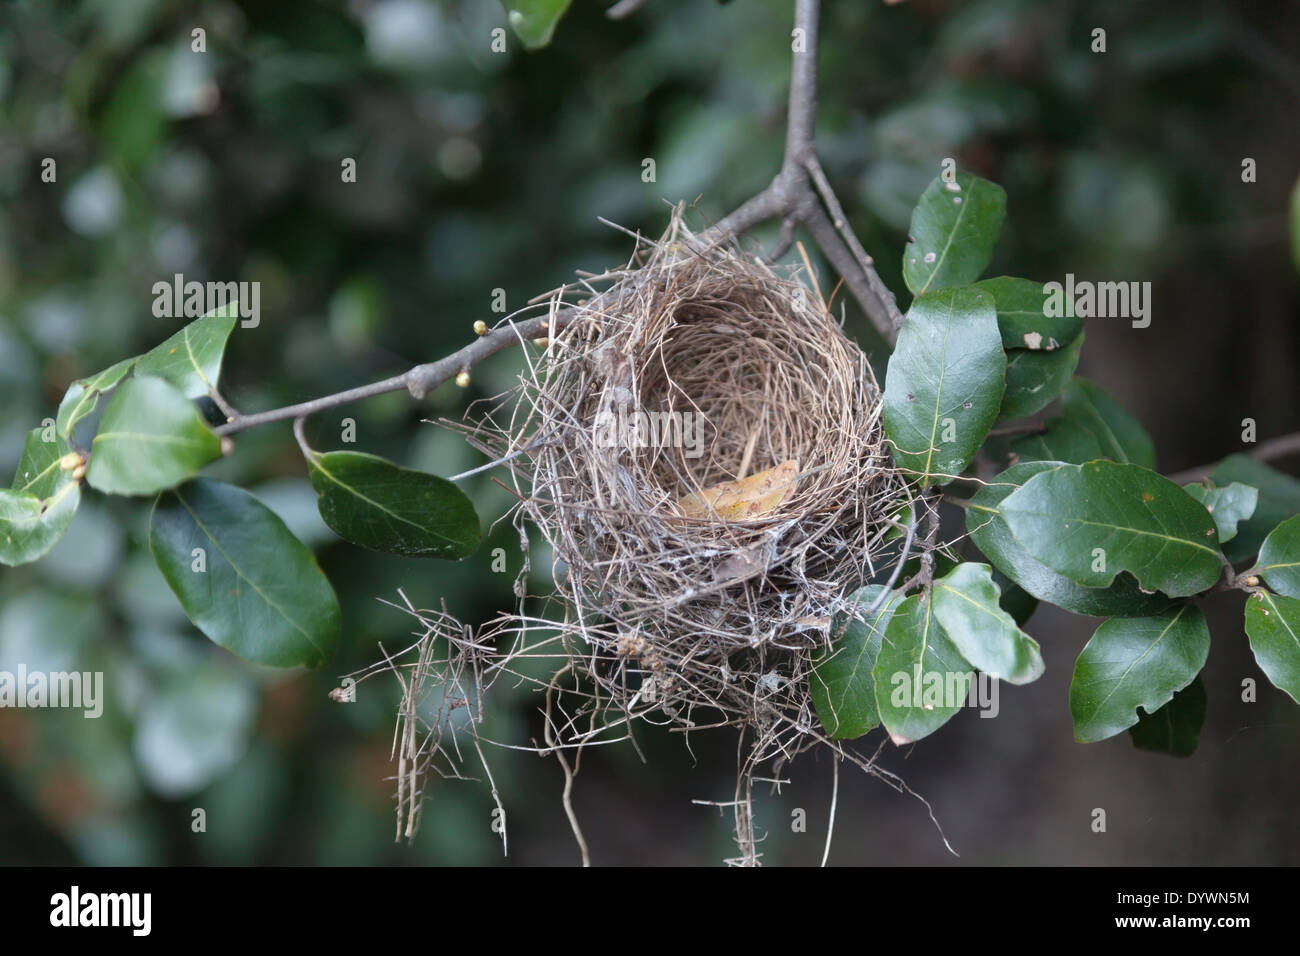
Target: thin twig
566, 797
418, 380
791, 196
841, 223
835, 795
1268, 451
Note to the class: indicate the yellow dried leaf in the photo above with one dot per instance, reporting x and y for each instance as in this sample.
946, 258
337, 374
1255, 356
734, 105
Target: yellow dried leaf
752, 497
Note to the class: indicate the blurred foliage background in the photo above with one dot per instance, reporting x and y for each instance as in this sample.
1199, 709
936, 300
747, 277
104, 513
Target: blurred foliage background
478, 171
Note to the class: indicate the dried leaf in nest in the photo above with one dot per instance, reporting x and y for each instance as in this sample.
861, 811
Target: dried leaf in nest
759, 494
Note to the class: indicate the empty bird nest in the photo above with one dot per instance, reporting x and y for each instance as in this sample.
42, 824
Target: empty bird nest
701, 445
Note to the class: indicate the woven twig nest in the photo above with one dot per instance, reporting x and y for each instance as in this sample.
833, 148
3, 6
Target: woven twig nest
687, 598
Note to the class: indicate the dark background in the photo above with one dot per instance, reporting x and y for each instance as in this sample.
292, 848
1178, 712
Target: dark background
479, 171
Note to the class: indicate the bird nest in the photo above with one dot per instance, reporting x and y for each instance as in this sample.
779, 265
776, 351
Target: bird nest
701, 445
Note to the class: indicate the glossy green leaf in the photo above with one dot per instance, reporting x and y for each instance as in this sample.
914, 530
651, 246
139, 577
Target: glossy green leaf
1175, 728
36, 513
921, 678
1279, 499
1279, 558
1273, 626
242, 577
376, 504
1133, 662
1023, 319
1035, 378
1092, 425
991, 535
841, 684
1089, 522
38, 470
82, 396
1228, 506
150, 438
966, 604
954, 228
191, 359
944, 384
31, 526
534, 20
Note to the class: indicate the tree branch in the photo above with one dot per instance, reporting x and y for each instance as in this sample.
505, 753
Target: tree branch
791, 195
418, 380
1268, 451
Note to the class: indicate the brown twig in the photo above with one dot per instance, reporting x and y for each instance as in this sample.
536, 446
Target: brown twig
418, 380
1268, 451
791, 194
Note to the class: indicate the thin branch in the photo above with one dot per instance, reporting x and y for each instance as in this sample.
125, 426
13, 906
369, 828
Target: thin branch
868, 265
791, 196
1268, 451
835, 795
418, 380
802, 118
882, 312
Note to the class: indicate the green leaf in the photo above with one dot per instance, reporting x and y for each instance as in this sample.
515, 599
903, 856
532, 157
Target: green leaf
31, 526
921, 678
966, 604
534, 20
1273, 626
991, 535
1092, 425
35, 514
841, 684
376, 504
150, 438
38, 471
1089, 522
1035, 378
1175, 728
1279, 558
191, 359
1279, 499
954, 227
259, 593
1023, 319
944, 384
1133, 662
1228, 506
82, 396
